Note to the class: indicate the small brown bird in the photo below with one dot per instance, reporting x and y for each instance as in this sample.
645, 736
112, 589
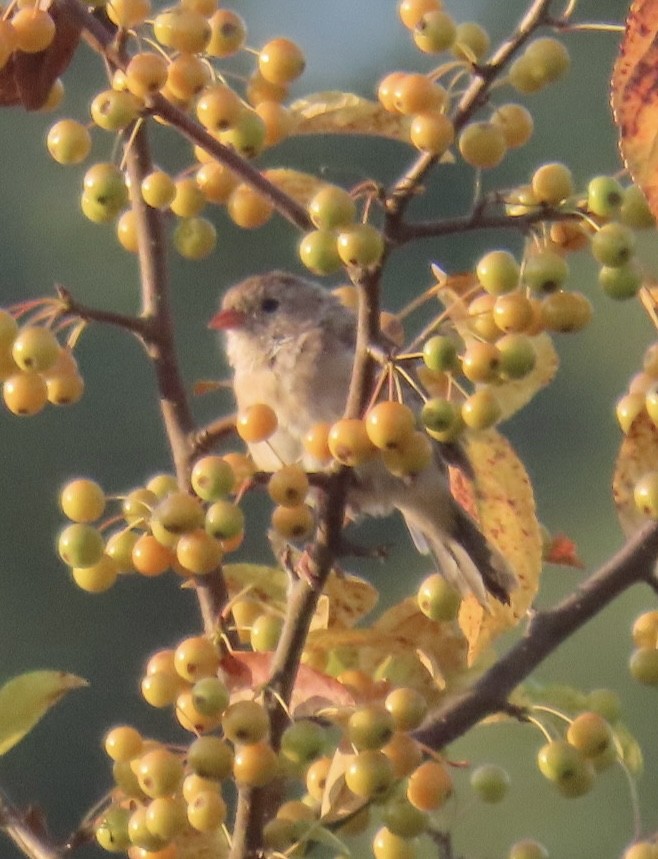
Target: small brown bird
291, 345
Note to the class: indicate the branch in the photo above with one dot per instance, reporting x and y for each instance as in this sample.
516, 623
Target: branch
401, 232
102, 39
475, 96
633, 563
28, 837
70, 305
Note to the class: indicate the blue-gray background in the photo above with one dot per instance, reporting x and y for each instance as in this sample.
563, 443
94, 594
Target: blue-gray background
568, 439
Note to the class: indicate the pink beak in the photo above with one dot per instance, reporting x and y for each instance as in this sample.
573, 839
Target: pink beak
226, 319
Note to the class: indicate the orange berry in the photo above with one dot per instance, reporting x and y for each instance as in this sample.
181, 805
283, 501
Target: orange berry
281, 61
389, 425
256, 423
349, 442
149, 557
429, 786
34, 29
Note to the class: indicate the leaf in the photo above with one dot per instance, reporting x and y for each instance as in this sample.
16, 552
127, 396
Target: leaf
503, 499
26, 698
28, 78
563, 551
301, 186
638, 454
347, 113
634, 97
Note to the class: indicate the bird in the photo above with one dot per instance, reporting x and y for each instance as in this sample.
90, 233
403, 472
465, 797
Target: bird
291, 344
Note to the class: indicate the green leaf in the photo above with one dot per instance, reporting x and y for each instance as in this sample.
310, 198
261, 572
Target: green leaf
26, 698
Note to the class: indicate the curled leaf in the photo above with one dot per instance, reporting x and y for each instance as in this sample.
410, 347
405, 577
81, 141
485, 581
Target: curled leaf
301, 186
347, 113
26, 698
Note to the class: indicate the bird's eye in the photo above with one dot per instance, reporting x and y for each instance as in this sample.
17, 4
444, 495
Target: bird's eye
269, 305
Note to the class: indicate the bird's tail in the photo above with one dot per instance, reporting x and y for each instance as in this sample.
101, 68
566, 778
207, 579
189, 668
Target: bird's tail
465, 558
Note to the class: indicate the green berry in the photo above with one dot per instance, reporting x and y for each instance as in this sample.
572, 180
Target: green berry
401, 818
369, 774
195, 238
604, 196
440, 353
245, 722
635, 211
210, 757
643, 665
212, 478
439, 415
80, 545
490, 782
303, 741
370, 727
332, 207
318, 251
517, 356
545, 272
437, 599
565, 766
621, 282
210, 696
360, 245
613, 244
498, 272
481, 409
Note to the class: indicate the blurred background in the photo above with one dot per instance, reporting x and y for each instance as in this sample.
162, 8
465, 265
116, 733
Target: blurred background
568, 438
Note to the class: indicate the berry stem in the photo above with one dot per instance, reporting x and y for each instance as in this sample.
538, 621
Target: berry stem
27, 835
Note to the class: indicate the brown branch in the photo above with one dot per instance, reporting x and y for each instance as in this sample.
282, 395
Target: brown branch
204, 439
475, 96
633, 563
102, 39
70, 305
401, 232
28, 837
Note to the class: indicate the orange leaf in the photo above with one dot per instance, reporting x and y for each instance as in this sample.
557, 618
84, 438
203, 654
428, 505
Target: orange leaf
562, 550
634, 97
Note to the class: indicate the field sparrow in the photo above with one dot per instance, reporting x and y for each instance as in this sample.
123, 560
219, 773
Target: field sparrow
290, 343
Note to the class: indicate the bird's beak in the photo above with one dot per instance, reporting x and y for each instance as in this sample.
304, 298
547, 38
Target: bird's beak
227, 319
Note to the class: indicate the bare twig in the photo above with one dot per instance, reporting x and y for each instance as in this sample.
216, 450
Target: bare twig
27, 837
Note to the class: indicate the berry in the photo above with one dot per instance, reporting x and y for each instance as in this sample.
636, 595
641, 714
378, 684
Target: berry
256, 423
68, 141
82, 500
216, 182
411, 11
25, 393
516, 123
210, 696
472, 42
293, 523
150, 557
247, 208
498, 272
35, 349
245, 722
591, 734
435, 32
159, 772
490, 782
429, 786
387, 845
349, 442
182, 29
198, 552
146, 73
105, 192
114, 110
303, 741
80, 545
627, 409
482, 145
288, 486
565, 766
527, 848
123, 743
545, 271
552, 183
196, 657
318, 251
401, 818
187, 76
265, 632
621, 282
360, 245
370, 727
437, 599
481, 362
331, 207
604, 196
517, 356
158, 189
278, 121
613, 244
432, 132
34, 29
369, 774
195, 238
281, 61
210, 757
128, 13
218, 107
165, 817
389, 425
414, 93
255, 764
440, 353
549, 58
407, 706
565, 311
643, 665
206, 811
481, 409
440, 415
513, 313
212, 478
635, 211
228, 33
112, 829
98, 578
645, 629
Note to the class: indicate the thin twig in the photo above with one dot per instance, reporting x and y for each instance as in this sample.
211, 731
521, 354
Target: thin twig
26, 836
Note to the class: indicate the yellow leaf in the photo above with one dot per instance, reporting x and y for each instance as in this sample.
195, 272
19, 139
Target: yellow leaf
26, 698
634, 96
301, 186
350, 598
638, 454
505, 507
347, 113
